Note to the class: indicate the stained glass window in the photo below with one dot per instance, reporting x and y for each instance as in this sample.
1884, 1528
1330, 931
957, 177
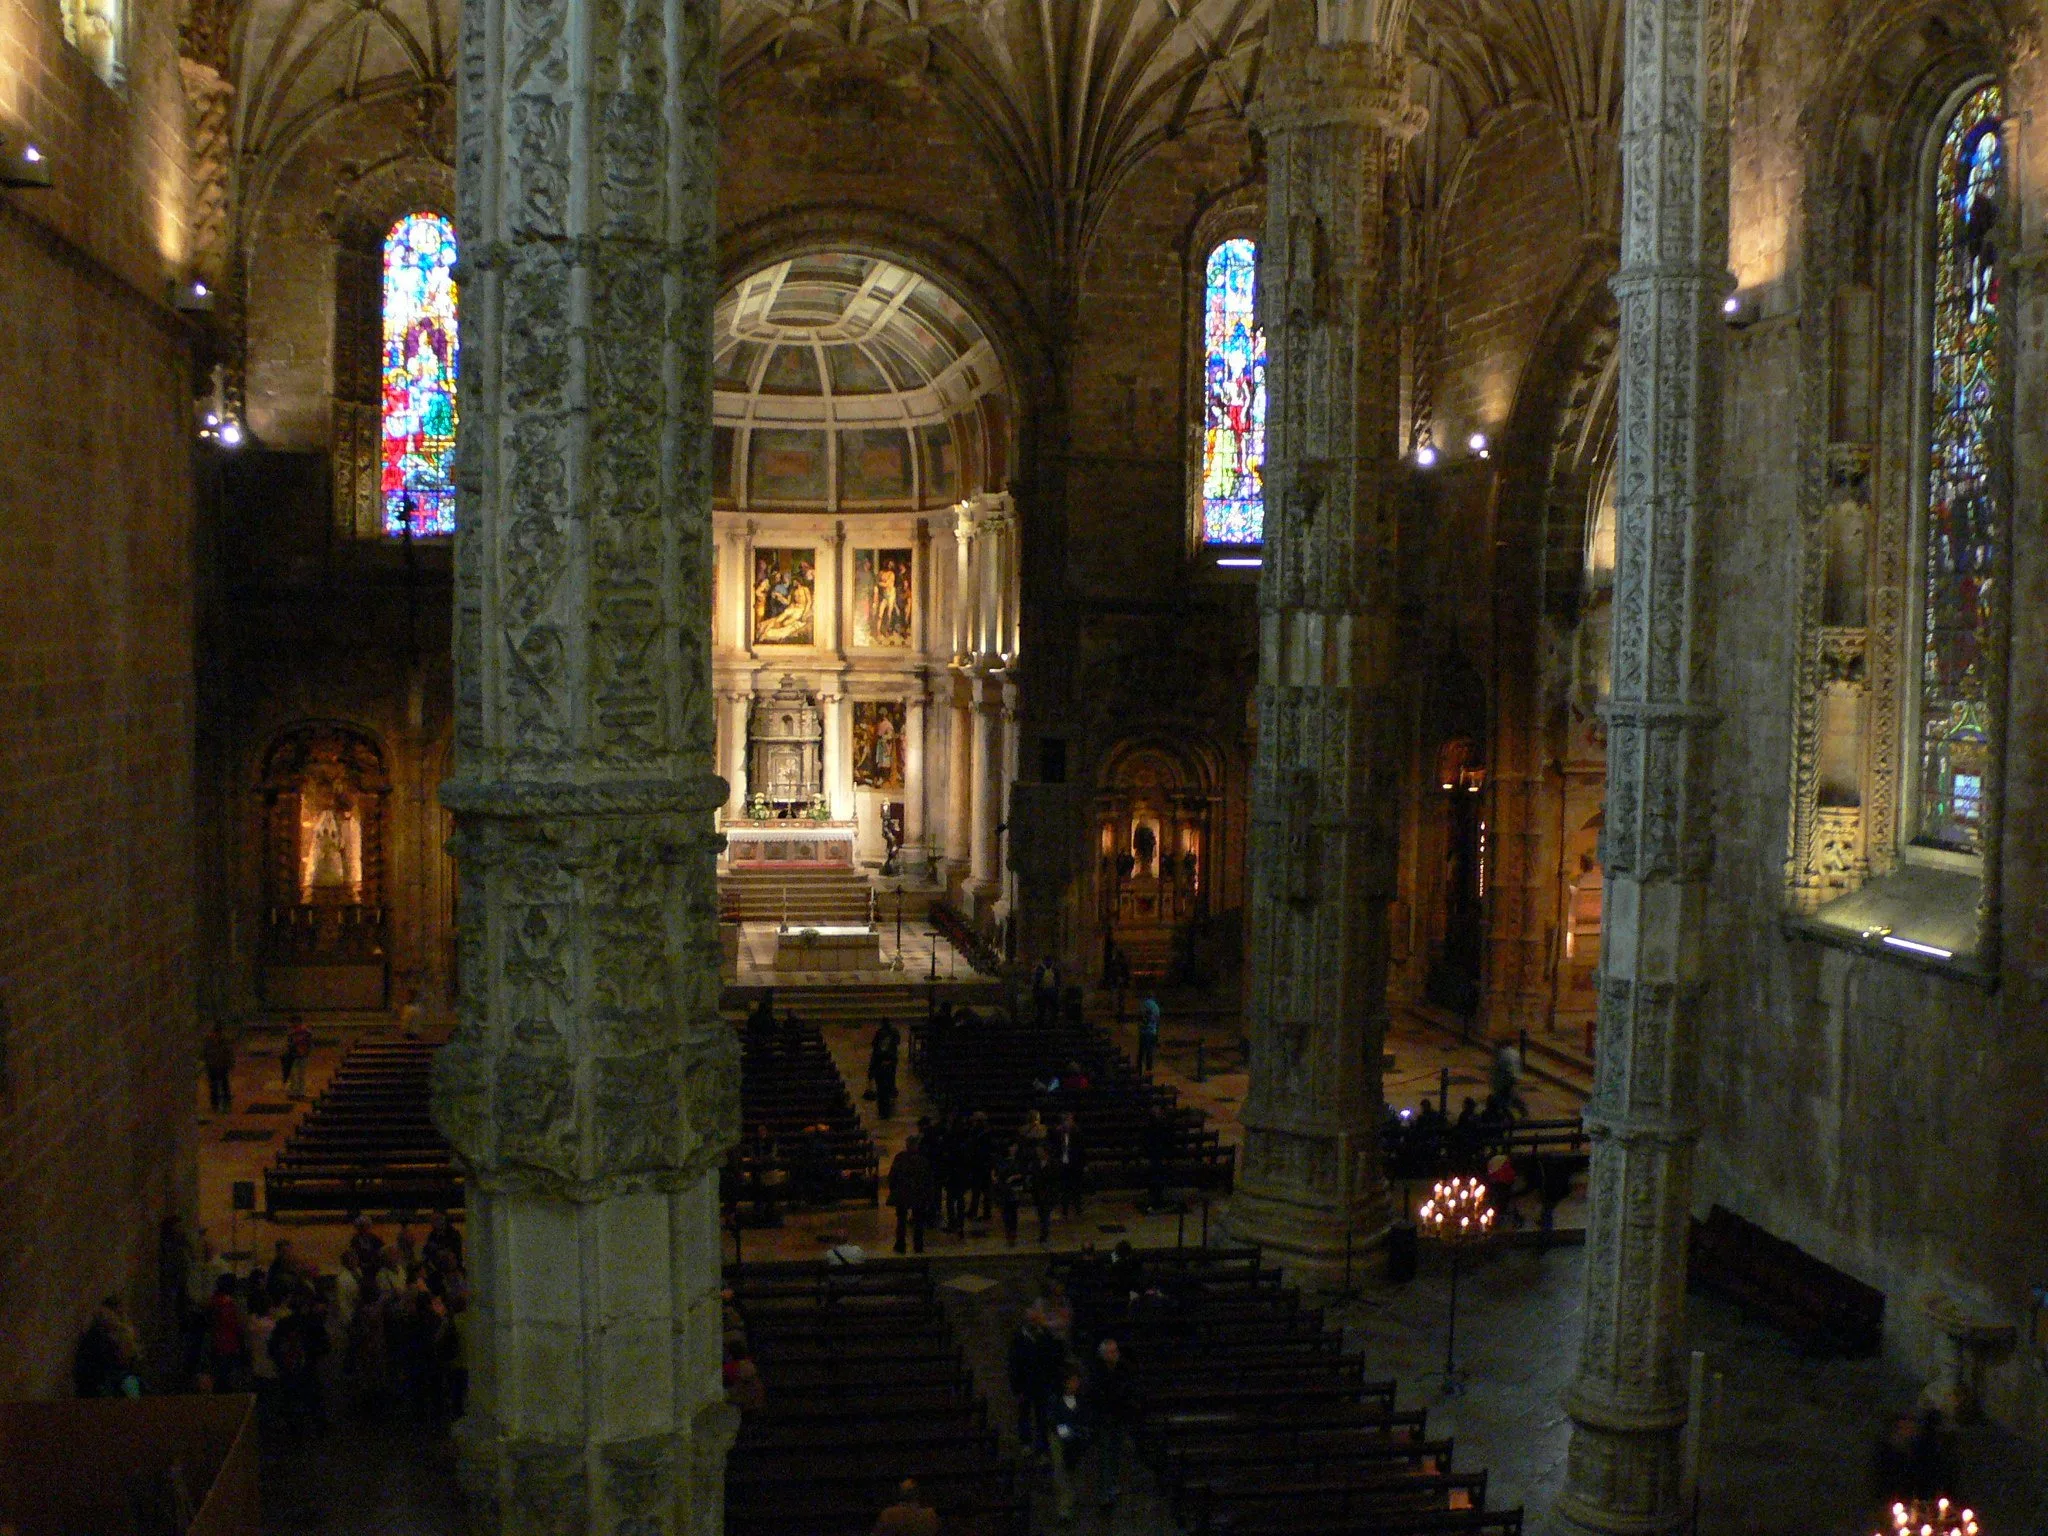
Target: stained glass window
1965, 525
1233, 399
419, 376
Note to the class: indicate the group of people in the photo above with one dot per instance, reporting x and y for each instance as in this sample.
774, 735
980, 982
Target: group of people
392, 1316
1074, 1398
956, 1169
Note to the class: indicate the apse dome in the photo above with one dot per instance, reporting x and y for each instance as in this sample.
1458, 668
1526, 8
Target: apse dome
846, 382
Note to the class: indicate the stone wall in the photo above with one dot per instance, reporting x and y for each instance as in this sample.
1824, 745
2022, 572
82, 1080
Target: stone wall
96, 1080
1880, 1115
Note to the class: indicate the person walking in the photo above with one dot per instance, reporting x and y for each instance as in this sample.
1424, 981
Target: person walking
1148, 1035
1044, 1179
1072, 1431
1109, 1391
218, 1054
911, 1190
1031, 1348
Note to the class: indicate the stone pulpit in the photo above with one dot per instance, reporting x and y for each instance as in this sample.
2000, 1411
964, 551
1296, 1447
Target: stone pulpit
785, 749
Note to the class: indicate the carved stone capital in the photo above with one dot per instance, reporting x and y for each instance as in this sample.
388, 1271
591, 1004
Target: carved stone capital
1330, 84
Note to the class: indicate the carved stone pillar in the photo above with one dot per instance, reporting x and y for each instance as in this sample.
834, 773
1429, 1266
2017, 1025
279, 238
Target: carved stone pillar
1324, 828
591, 1087
1628, 1400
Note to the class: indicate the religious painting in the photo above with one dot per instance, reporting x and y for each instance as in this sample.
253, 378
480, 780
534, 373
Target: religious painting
418, 383
878, 744
785, 596
1233, 399
786, 466
874, 464
881, 597
941, 464
1965, 523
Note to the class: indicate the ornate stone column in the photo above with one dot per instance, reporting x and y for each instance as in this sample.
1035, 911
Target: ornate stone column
1628, 1401
1324, 800
591, 1087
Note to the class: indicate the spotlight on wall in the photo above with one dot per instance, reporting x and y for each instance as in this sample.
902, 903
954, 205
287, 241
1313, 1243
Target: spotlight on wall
231, 434
1737, 311
1425, 455
22, 164
1479, 445
191, 296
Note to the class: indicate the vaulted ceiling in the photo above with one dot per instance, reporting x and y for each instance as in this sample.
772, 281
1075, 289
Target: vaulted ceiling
1067, 96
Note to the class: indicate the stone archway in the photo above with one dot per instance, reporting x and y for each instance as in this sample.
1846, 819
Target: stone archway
323, 790
1157, 818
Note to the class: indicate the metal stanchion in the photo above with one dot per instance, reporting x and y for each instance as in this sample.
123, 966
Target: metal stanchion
1443, 1092
1201, 1061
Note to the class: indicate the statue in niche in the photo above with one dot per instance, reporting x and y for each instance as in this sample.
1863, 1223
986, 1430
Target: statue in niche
1144, 844
331, 839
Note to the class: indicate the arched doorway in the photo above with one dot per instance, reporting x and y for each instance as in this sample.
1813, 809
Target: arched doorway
324, 789
865, 610
1156, 828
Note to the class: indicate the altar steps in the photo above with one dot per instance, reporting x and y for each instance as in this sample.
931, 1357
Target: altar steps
798, 896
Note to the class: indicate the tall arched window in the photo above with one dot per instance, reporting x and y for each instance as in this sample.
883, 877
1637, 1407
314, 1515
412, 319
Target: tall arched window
418, 376
1964, 528
1233, 399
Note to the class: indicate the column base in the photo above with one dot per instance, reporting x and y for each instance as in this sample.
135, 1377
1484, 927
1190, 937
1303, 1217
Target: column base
1308, 1238
672, 1484
1624, 1467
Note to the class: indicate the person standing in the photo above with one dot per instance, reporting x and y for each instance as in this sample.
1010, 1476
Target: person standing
911, 1189
1007, 1187
1148, 1035
882, 1056
1071, 1155
1043, 1177
1045, 993
299, 1045
218, 1053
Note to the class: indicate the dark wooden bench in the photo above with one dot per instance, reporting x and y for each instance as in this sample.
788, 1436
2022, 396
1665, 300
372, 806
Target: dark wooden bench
1824, 1310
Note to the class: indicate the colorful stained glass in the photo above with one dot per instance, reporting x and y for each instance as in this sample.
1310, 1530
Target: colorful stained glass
419, 376
1965, 526
1233, 400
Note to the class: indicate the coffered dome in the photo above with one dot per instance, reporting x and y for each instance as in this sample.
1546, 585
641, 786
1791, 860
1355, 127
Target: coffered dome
846, 381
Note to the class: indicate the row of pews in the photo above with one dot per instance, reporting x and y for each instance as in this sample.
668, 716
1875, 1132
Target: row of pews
369, 1142
1252, 1417
789, 1088
993, 1064
864, 1386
